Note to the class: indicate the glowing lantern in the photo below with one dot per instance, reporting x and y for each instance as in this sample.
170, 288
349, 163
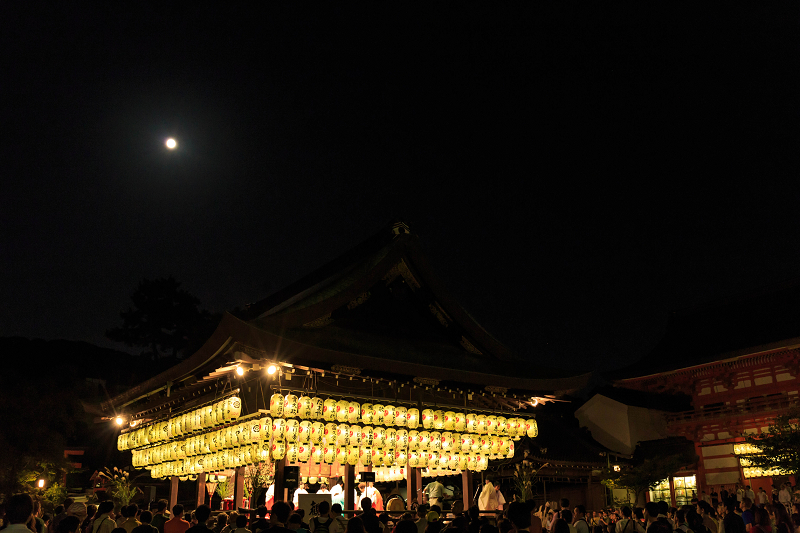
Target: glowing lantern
412, 418
494, 448
352, 455
475, 443
366, 437
366, 413
364, 455
400, 414
354, 435
483, 462
303, 452
290, 405
292, 430
447, 441
390, 441
510, 453
424, 440
278, 428
244, 434
413, 458
438, 420
486, 443
449, 420
342, 408
304, 407
292, 451
341, 455
402, 456
531, 428
472, 463
377, 457
278, 449
234, 407
472, 423
276, 405
329, 410
317, 408
502, 425
427, 418
328, 454
378, 437
401, 438
436, 441
491, 424
502, 445
317, 432
353, 412
377, 414
316, 454
389, 456
304, 431
330, 433
208, 411
342, 435
481, 424
423, 459
255, 430
433, 459
414, 440
388, 415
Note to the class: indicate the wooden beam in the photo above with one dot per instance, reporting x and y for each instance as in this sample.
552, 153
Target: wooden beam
466, 488
410, 487
349, 486
201, 489
418, 485
238, 493
173, 492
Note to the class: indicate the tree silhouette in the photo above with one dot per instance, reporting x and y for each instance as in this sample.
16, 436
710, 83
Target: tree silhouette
780, 445
164, 319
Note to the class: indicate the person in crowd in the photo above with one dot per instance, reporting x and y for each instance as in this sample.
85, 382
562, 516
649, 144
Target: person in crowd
70, 524
146, 523
488, 498
261, 523
650, 514
19, 513
355, 525
39, 525
104, 521
160, 516
560, 525
339, 524
337, 493
475, 522
729, 521
86, 525
780, 519
321, 523
369, 517
230, 527
748, 493
579, 519
785, 495
704, 509
279, 517
761, 523
746, 505
241, 524
714, 498
220, 522
761, 497
422, 521
520, 516
296, 523
383, 518
303, 522
659, 526
628, 524
434, 491
405, 526
60, 514
128, 519
303, 489
176, 524
201, 515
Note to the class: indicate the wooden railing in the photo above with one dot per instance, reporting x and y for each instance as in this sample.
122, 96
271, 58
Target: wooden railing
751, 407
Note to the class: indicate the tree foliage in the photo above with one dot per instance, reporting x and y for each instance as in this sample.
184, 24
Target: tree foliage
646, 475
164, 318
780, 446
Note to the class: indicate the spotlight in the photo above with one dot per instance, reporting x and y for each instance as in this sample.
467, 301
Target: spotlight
239, 371
271, 369
119, 420
41, 483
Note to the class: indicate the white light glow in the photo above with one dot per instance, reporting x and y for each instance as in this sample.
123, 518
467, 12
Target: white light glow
41, 483
119, 420
272, 369
171, 143
240, 371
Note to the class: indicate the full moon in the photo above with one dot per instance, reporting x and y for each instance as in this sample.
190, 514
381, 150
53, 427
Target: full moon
171, 143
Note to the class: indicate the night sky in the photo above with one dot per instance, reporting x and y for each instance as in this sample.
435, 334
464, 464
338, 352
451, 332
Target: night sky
575, 172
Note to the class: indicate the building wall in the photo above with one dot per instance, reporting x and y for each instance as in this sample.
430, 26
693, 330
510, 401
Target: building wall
620, 427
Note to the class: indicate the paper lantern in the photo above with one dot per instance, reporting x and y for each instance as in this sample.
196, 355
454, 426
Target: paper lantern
377, 457
303, 452
304, 431
413, 458
388, 415
366, 436
424, 440
352, 455
475, 443
502, 425
452, 461
390, 441
355, 435
366, 413
438, 420
423, 459
510, 453
364, 455
317, 432
511, 427
341, 455
447, 441
266, 428
472, 463
278, 449
412, 418
290, 405
342, 435
276, 405
304, 407
531, 428
491, 424
317, 408
494, 448
389, 456
329, 410
503, 444
400, 416
121, 442
225, 433
401, 438
328, 454
433, 459
353, 412
483, 462
472, 422
292, 430
449, 420
235, 407
292, 451
244, 433
486, 443
401, 457
330, 433
377, 414
436, 441
342, 407
414, 440
278, 428
427, 418
481, 424
316, 453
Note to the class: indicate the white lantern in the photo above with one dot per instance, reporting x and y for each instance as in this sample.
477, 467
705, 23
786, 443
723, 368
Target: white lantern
388, 415
447, 441
290, 405
317, 408
317, 432
376, 457
502, 425
292, 451
342, 407
342, 435
531, 428
330, 433
278, 449
377, 414
364, 455
341, 455
303, 452
276, 405
427, 418
278, 428
472, 422
328, 453
266, 427
402, 438
352, 455
366, 436
304, 431
400, 416
449, 420
235, 407
402, 456
475, 445
491, 424
510, 453
316, 453
414, 440
353, 412
424, 440
436, 441
388, 456
413, 458
378, 437
355, 435
390, 441
412, 418
329, 410
366, 413
481, 424
486, 443
438, 420
304, 407
292, 430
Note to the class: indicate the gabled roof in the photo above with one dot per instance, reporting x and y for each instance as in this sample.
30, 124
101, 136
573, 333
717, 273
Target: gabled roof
378, 307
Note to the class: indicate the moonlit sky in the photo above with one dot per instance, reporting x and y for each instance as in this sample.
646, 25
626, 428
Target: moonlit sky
574, 172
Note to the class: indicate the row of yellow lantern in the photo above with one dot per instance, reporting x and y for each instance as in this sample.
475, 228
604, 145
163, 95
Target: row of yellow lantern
342, 411
756, 471
192, 422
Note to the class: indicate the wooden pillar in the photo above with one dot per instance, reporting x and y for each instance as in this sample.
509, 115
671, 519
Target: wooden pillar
201, 489
280, 490
173, 492
349, 486
589, 500
418, 484
238, 493
411, 492
466, 488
